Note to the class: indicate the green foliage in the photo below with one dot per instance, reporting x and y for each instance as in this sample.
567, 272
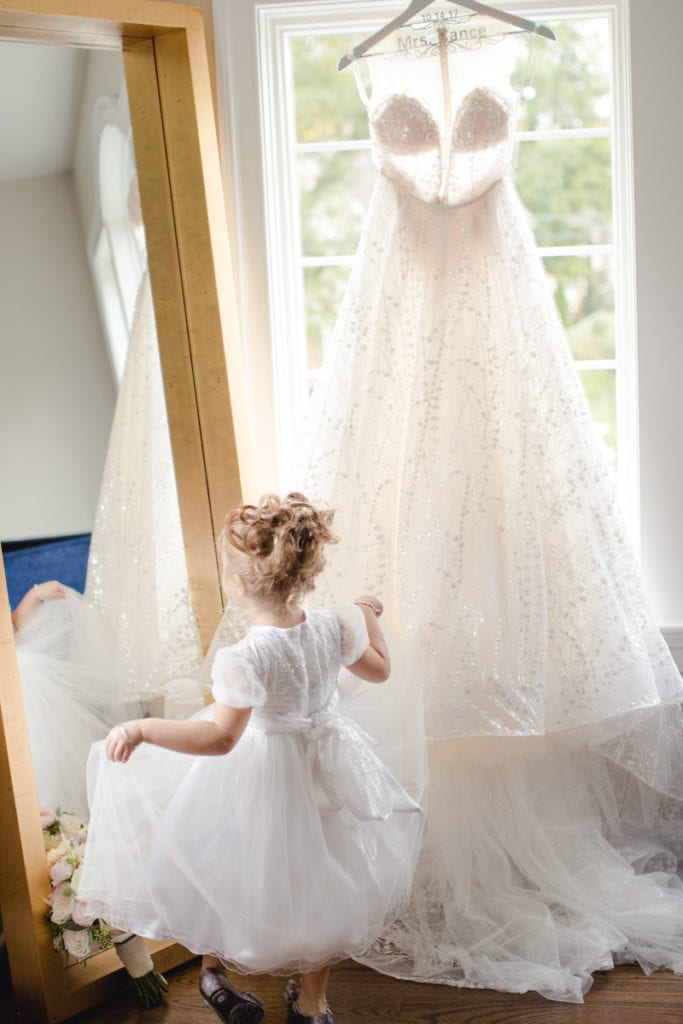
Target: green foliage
600, 388
150, 989
101, 933
327, 102
324, 287
566, 185
335, 192
565, 84
593, 336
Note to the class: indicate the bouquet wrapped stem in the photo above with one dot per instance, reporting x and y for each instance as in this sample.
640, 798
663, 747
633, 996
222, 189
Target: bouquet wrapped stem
132, 952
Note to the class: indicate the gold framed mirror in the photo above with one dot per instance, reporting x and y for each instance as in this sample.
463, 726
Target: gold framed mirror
176, 153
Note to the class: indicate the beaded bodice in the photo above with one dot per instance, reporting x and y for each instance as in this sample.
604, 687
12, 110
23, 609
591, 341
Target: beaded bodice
442, 133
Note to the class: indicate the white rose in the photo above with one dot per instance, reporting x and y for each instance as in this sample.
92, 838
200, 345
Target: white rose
62, 900
72, 826
60, 871
57, 852
51, 841
76, 878
78, 943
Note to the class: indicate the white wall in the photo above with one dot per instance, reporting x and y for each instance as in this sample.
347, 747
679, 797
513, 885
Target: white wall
657, 84
56, 389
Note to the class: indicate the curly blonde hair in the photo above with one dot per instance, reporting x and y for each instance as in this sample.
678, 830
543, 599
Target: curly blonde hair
277, 546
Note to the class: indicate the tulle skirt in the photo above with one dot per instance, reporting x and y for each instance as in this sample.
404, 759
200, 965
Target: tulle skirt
240, 856
543, 862
65, 663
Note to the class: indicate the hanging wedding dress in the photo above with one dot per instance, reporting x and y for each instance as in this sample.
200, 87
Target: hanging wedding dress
450, 432
87, 662
137, 575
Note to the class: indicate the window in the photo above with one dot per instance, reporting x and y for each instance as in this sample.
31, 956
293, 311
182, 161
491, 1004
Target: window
118, 256
571, 172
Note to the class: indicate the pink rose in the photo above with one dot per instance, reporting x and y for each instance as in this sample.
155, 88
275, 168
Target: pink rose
47, 817
80, 914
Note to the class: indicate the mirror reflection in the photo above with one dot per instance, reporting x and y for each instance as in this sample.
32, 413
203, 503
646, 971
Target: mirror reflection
89, 519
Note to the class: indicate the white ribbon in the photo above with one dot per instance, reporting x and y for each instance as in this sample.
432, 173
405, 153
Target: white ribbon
341, 756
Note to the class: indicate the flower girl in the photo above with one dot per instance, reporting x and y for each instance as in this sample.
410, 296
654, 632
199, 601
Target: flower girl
293, 851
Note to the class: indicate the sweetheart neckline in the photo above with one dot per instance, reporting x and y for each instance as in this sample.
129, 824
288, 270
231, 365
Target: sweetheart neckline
499, 100
496, 96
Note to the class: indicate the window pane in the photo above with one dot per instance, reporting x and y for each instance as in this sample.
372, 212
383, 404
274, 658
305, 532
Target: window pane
327, 103
324, 287
583, 290
334, 191
565, 84
600, 388
566, 186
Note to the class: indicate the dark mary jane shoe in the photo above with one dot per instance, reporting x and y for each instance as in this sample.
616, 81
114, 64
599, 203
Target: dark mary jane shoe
231, 1005
294, 1014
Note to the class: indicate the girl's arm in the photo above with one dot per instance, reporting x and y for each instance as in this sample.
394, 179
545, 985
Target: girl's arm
374, 665
194, 737
33, 598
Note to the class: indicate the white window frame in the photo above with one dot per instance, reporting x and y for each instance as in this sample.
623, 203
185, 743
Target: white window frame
116, 248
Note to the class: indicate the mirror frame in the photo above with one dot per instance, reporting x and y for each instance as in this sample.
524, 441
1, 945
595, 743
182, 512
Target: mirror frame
176, 150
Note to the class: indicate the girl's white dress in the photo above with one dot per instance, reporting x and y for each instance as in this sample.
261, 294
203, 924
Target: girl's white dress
287, 853
64, 653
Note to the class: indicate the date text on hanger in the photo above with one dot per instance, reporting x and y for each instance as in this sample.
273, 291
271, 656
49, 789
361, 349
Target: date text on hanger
417, 6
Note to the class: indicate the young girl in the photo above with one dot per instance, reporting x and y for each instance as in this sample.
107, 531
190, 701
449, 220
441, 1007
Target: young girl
293, 851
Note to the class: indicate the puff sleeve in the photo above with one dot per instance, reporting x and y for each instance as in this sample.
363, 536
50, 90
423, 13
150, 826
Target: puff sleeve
353, 633
234, 680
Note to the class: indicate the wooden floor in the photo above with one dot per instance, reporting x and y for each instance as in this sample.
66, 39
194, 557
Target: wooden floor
358, 996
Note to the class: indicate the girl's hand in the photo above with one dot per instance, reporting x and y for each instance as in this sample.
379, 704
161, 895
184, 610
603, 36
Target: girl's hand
50, 590
371, 602
118, 745
33, 598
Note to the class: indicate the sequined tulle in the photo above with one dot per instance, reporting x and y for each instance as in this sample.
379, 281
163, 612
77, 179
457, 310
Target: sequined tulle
137, 576
450, 431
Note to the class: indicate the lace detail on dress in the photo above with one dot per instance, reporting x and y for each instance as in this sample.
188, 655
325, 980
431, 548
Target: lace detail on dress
402, 125
483, 121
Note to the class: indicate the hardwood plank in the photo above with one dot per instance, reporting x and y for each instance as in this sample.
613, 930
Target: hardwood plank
359, 996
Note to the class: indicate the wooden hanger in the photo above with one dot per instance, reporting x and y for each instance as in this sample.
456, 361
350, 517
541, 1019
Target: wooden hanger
417, 6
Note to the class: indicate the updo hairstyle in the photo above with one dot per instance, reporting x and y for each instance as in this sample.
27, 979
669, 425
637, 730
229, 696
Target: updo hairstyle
277, 546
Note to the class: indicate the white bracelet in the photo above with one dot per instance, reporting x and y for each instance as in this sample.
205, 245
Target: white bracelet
126, 735
372, 607
37, 590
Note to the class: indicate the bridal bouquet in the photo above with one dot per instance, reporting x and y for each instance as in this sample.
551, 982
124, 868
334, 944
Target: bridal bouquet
73, 930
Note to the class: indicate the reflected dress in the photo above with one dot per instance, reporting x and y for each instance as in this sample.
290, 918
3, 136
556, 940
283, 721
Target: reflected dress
293, 850
450, 423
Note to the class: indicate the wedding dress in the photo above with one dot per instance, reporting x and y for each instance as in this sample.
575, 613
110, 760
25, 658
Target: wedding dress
137, 574
450, 432
87, 662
